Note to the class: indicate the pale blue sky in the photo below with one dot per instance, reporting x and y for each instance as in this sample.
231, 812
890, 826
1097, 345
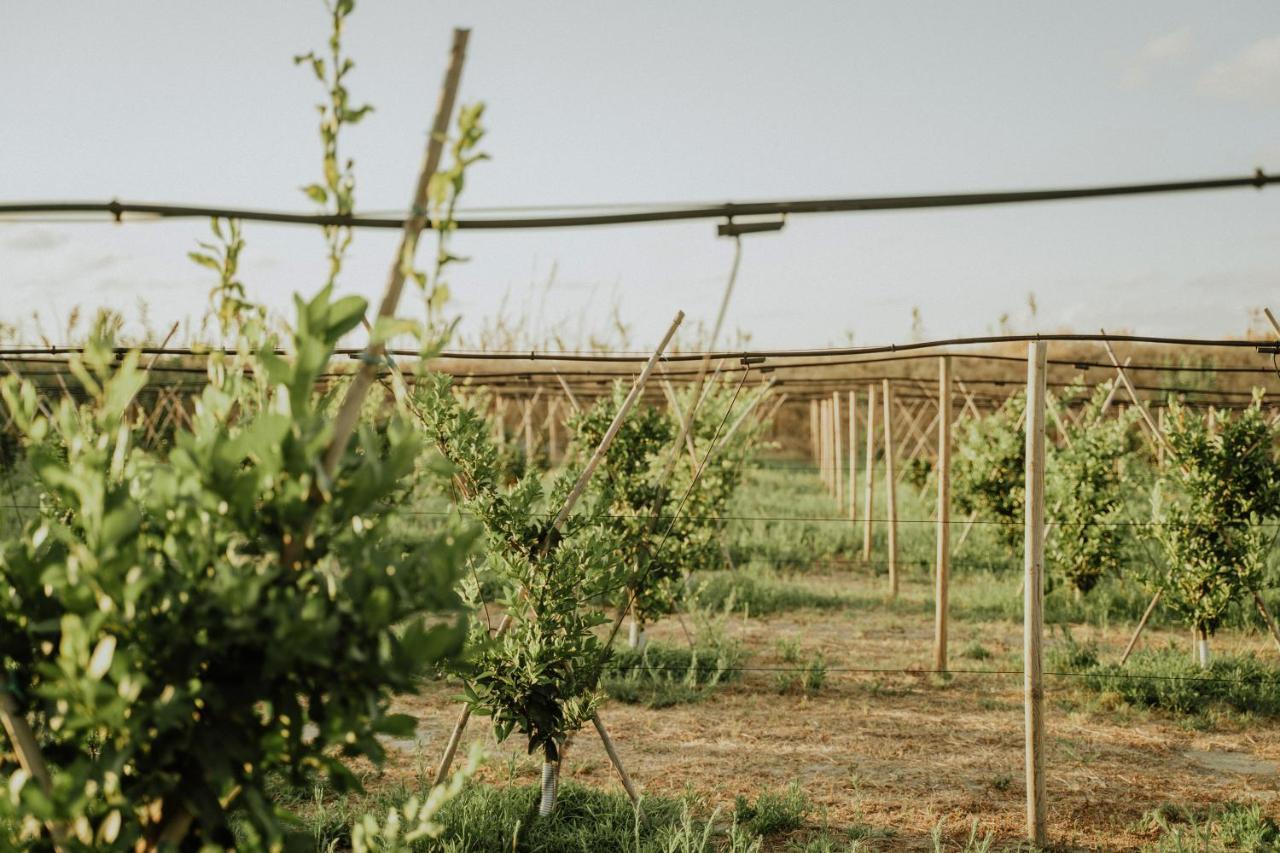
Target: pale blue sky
625, 102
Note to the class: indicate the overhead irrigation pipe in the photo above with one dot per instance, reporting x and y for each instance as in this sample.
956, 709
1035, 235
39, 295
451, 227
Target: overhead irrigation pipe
727, 211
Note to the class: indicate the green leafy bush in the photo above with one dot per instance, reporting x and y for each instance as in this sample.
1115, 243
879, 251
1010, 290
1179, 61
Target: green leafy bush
540, 676
180, 628
1210, 502
989, 470
1085, 478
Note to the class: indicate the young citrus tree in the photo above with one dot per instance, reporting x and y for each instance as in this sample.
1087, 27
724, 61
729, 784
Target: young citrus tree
1086, 476
661, 501
536, 669
178, 629
989, 470
1210, 501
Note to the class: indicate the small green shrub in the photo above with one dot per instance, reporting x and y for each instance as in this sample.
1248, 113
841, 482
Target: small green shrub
773, 813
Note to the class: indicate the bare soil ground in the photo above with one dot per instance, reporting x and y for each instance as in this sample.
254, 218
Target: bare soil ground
889, 755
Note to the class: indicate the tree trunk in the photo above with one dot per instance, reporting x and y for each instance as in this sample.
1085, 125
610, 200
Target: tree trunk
1202, 648
636, 633
550, 784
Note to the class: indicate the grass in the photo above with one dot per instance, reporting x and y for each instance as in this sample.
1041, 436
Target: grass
773, 813
1233, 827
484, 818
1168, 680
660, 676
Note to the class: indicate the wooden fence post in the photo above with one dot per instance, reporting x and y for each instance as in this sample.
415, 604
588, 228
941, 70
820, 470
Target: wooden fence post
944, 515
868, 497
823, 435
890, 490
853, 456
837, 457
1033, 591
813, 429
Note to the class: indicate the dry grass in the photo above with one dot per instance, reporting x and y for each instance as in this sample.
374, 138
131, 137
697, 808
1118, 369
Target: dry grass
901, 752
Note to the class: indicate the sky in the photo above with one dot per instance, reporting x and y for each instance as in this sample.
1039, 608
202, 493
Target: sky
604, 102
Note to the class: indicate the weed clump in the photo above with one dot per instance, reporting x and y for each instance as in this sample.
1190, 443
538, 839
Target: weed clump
1169, 680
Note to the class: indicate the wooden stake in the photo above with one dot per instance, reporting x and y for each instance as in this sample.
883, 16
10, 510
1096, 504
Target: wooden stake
853, 456
1033, 589
1142, 623
29, 757
837, 448
344, 424
869, 494
612, 752
944, 516
822, 444
553, 437
813, 430
1267, 618
890, 489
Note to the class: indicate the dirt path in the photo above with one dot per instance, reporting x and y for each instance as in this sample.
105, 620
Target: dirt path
890, 755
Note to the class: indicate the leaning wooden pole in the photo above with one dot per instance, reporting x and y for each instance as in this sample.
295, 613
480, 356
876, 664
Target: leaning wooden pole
943, 568
868, 473
890, 490
1033, 592
374, 358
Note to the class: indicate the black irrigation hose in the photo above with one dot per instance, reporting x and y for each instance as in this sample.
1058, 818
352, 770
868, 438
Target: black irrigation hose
754, 355
117, 209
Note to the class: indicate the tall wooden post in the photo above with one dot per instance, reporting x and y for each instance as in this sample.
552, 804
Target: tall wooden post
869, 495
853, 456
890, 490
837, 459
824, 433
813, 429
943, 578
527, 426
1033, 591
553, 433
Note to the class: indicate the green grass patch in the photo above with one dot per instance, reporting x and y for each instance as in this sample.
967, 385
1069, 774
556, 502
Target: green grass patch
773, 813
486, 818
1167, 679
660, 676
1218, 829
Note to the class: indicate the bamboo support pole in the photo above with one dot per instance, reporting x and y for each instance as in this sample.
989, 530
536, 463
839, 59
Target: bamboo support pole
813, 430
348, 415
822, 444
1115, 388
553, 432
943, 576
30, 758
869, 494
837, 458
1267, 617
853, 457
890, 490
612, 752
1142, 623
1033, 590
